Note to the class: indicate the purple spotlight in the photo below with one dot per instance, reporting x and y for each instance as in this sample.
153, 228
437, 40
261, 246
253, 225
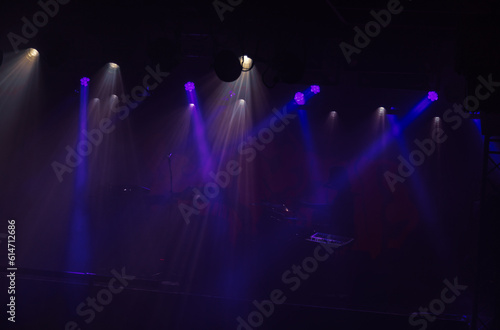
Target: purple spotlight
189, 86
315, 89
433, 96
84, 81
299, 98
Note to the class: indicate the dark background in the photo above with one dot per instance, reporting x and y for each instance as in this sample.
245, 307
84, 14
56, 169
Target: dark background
406, 242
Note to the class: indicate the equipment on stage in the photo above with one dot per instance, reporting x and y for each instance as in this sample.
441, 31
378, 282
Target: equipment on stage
278, 212
126, 190
331, 240
289, 220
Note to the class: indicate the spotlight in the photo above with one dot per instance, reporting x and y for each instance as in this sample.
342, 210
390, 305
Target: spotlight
437, 119
95, 105
242, 101
246, 63
84, 81
433, 96
333, 114
114, 101
299, 98
227, 66
381, 110
113, 66
191, 105
189, 86
32, 54
315, 89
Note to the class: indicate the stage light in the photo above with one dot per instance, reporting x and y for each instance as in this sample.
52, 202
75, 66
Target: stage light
189, 86
381, 110
246, 63
84, 81
315, 89
227, 66
333, 114
191, 105
433, 96
299, 98
113, 66
437, 119
242, 101
32, 54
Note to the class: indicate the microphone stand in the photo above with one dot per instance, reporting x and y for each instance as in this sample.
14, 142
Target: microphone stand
170, 169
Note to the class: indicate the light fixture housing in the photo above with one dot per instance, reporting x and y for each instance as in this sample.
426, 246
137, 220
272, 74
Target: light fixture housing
299, 98
433, 96
84, 81
227, 66
32, 54
189, 86
246, 63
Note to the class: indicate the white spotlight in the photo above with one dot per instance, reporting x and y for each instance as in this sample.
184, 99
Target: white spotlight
113, 65
32, 54
113, 101
246, 63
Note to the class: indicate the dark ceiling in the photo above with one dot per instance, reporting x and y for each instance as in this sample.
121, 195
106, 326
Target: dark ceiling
426, 35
